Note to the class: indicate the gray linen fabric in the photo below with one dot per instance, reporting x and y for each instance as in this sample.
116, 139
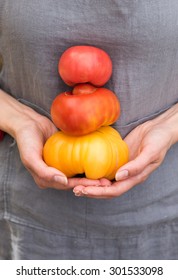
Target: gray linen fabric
142, 39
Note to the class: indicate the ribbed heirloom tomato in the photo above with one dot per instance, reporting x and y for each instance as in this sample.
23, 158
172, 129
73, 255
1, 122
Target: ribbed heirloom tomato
85, 64
98, 154
85, 109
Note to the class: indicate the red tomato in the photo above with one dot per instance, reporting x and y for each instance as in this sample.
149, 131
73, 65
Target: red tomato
85, 64
85, 109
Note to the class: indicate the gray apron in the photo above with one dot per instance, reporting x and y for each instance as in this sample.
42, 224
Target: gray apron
142, 39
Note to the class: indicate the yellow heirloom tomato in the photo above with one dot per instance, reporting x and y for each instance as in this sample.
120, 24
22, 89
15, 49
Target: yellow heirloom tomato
98, 154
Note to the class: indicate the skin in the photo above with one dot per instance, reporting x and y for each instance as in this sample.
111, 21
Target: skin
148, 144
31, 130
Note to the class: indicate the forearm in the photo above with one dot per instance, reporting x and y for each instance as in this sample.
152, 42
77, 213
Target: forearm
14, 114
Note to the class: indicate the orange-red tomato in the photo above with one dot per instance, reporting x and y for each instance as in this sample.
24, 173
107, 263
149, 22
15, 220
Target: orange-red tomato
85, 64
85, 109
98, 154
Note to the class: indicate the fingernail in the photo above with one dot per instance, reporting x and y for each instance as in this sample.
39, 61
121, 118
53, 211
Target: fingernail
60, 179
84, 192
121, 175
77, 193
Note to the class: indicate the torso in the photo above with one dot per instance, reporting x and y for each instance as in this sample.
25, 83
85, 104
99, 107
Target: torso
142, 38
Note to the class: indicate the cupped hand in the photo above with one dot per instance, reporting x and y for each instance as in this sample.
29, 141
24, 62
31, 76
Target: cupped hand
148, 145
30, 136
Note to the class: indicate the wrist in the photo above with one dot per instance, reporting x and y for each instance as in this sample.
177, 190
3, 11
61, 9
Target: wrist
15, 115
169, 122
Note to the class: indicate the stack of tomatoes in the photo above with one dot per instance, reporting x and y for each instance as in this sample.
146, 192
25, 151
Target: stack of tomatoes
86, 143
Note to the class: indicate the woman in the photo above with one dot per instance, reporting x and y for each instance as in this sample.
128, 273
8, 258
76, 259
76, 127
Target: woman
39, 218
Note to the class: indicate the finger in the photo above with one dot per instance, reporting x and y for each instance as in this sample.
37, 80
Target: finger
46, 176
136, 166
91, 191
116, 189
51, 180
81, 183
73, 182
98, 192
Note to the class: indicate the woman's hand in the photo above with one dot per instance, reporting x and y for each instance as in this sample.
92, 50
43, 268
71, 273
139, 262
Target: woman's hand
148, 145
30, 140
31, 130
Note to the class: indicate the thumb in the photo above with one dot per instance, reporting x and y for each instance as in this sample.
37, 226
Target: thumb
135, 166
45, 175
